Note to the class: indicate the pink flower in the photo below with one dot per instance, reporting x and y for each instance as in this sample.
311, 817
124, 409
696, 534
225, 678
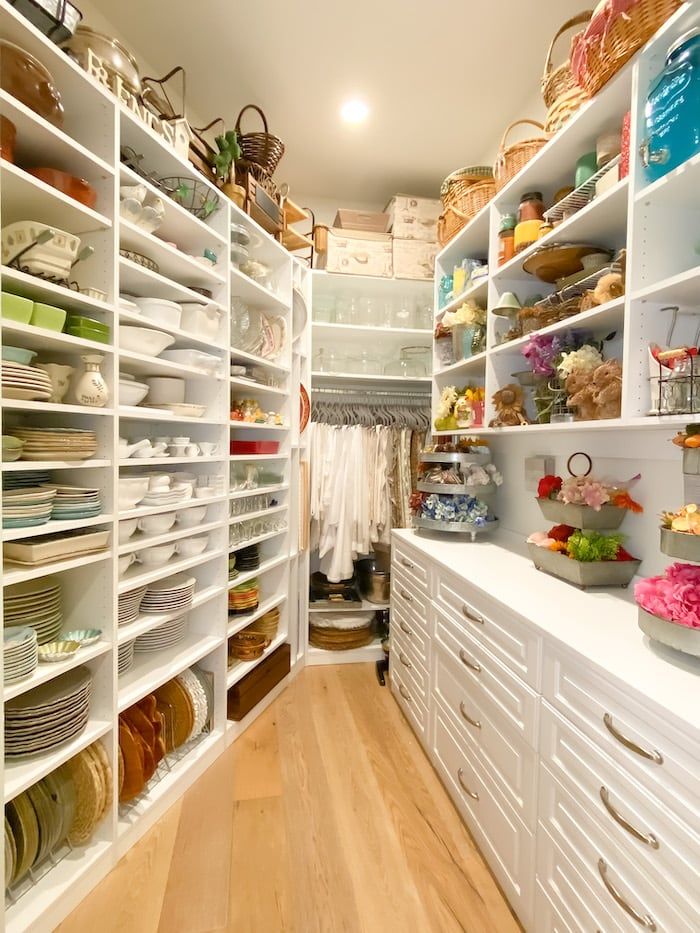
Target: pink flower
674, 596
653, 594
683, 573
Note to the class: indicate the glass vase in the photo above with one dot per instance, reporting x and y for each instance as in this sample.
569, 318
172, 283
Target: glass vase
547, 394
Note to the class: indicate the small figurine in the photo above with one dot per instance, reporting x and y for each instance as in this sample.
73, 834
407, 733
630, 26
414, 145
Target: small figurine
510, 407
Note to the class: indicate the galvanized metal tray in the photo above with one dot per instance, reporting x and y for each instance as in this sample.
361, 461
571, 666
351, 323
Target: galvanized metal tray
681, 637
680, 544
583, 574
480, 458
608, 517
463, 528
451, 489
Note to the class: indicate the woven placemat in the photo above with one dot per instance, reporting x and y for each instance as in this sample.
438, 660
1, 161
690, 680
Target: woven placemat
89, 796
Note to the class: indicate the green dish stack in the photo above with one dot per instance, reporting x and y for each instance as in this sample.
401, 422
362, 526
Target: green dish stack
87, 328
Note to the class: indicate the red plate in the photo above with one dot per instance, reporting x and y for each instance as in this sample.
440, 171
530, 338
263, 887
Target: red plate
304, 408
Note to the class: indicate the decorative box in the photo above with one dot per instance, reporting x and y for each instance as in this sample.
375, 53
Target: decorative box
251, 689
357, 253
414, 218
367, 221
414, 259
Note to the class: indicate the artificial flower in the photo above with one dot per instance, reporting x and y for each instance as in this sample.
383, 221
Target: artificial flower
446, 403
582, 490
675, 596
585, 359
623, 500
588, 546
558, 546
548, 485
541, 352
541, 539
468, 313
561, 532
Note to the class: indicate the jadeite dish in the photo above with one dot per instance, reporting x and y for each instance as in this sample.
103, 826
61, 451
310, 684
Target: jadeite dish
18, 355
15, 308
48, 317
58, 650
83, 636
86, 333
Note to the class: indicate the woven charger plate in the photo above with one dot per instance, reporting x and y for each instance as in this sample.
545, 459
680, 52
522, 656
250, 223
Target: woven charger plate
25, 830
10, 854
176, 695
101, 759
89, 794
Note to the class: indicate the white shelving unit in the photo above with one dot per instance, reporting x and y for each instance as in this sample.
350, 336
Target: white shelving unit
95, 128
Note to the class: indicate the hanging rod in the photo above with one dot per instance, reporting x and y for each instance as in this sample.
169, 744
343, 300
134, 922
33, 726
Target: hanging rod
373, 393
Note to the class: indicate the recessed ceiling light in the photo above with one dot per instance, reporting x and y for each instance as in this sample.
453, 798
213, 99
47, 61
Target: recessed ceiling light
354, 111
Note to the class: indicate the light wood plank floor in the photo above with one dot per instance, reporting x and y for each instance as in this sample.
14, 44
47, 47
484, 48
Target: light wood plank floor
325, 817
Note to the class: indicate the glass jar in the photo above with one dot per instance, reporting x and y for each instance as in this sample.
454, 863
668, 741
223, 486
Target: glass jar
443, 351
506, 239
367, 363
531, 206
672, 112
404, 314
324, 309
418, 359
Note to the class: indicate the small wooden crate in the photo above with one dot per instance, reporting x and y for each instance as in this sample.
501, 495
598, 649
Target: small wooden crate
252, 688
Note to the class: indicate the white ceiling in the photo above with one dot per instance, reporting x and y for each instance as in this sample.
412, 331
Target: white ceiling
443, 78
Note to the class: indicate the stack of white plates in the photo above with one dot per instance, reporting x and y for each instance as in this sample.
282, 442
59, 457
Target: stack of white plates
74, 502
49, 714
129, 605
125, 657
56, 443
23, 478
19, 653
172, 495
36, 603
166, 635
174, 594
25, 382
24, 508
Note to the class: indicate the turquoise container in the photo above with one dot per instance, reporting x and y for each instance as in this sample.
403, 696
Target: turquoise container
672, 112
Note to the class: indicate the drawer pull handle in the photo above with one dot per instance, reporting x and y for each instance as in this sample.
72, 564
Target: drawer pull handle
470, 793
404, 660
648, 838
405, 628
406, 596
404, 693
472, 665
642, 920
407, 563
652, 755
472, 616
465, 715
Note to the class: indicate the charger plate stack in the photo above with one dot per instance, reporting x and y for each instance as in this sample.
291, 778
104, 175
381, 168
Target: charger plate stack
56, 443
165, 636
244, 597
36, 604
20, 655
174, 594
28, 507
336, 631
267, 624
48, 715
129, 605
75, 502
25, 382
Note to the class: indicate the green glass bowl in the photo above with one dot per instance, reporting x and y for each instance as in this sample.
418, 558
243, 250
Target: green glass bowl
48, 317
15, 308
87, 333
18, 355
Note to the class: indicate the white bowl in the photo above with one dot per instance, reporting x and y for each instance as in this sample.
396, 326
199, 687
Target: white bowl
188, 518
126, 529
165, 390
162, 312
157, 524
131, 490
143, 340
53, 258
131, 393
207, 362
124, 563
192, 547
156, 556
201, 319
204, 492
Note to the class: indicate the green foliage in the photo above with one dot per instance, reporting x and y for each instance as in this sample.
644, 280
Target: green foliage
591, 545
227, 156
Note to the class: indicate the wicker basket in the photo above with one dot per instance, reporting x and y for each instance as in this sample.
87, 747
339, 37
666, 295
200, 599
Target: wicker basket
340, 639
557, 81
261, 149
563, 109
247, 646
612, 39
511, 159
464, 193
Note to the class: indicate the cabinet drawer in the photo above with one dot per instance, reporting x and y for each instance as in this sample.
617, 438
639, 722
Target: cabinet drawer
409, 597
506, 757
410, 562
412, 671
626, 889
506, 636
505, 841
489, 684
650, 748
411, 632
407, 698
668, 848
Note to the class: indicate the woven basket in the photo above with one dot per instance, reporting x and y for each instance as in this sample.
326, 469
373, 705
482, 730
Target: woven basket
464, 193
563, 109
511, 159
557, 81
339, 639
261, 149
612, 39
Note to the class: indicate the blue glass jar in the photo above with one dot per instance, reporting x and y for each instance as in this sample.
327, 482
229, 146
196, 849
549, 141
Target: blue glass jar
672, 112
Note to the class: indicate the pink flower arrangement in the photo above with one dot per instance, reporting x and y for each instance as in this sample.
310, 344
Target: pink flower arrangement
675, 596
580, 490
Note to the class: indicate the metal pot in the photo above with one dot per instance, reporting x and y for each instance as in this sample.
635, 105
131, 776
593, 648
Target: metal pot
374, 584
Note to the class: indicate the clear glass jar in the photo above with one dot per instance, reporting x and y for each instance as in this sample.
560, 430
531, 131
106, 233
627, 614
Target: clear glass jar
324, 309
367, 363
404, 314
414, 362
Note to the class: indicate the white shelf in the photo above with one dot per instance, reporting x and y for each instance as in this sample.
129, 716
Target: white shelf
248, 426
249, 385
371, 652
137, 280
266, 565
257, 296
141, 512
173, 264
475, 293
238, 623
168, 461
259, 491
238, 355
184, 339
258, 540
134, 578
478, 361
681, 289
50, 341
53, 526
262, 513
48, 671
35, 465
241, 668
142, 365
54, 408
139, 541
31, 286
472, 241
14, 573
244, 458
677, 188
342, 331
147, 621
332, 283
386, 382
136, 413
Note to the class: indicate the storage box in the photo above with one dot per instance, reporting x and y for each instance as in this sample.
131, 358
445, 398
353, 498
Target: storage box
252, 688
367, 221
414, 259
414, 218
357, 253
253, 447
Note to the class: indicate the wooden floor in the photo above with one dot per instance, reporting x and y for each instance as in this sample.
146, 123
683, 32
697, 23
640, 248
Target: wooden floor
325, 816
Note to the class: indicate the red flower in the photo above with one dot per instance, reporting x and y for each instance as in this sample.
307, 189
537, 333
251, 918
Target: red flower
622, 554
561, 533
547, 486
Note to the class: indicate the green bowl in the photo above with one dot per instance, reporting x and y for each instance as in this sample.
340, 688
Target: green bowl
48, 317
15, 308
11, 448
79, 320
18, 355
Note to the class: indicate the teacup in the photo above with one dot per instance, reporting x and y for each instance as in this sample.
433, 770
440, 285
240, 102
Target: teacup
192, 547
188, 518
125, 562
192, 450
180, 441
207, 448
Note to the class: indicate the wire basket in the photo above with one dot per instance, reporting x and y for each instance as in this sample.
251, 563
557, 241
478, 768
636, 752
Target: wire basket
194, 195
512, 159
261, 149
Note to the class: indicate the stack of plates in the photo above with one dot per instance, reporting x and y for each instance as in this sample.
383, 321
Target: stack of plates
25, 382
172, 495
56, 443
244, 597
267, 624
232, 570
37, 604
129, 605
248, 558
174, 594
125, 657
166, 635
24, 478
19, 653
24, 508
49, 714
74, 502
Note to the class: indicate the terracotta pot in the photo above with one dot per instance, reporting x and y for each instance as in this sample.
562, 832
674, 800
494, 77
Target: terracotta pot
25, 78
76, 188
8, 134
235, 192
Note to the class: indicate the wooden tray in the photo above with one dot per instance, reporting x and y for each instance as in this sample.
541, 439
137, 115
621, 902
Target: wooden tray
251, 689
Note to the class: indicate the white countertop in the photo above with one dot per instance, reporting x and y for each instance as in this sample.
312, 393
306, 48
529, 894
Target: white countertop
600, 625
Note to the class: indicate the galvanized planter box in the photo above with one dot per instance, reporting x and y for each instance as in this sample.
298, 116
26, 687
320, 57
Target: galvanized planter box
582, 516
583, 574
668, 633
680, 544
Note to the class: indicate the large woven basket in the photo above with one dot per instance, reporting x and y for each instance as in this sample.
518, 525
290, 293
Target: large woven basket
611, 39
464, 193
564, 108
261, 149
511, 159
557, 81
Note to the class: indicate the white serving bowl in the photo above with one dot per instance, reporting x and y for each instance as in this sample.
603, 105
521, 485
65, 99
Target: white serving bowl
131, 392
162, 312
192, 547
188, 518
201, 319
53, 258
126, 529
207, 362
204, 492
157, 524
156, 556
165, 390
143, 340
124, 563
131, 490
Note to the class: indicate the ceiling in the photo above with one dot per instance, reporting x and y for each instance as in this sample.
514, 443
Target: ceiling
442, 79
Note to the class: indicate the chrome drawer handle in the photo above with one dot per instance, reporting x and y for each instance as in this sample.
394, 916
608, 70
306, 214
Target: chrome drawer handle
405, 628
472, 665
404, 660
473, 617
404, 693
407, 563
406, 596
652, 755
470, 793
465, 715
642, 920
648, 838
